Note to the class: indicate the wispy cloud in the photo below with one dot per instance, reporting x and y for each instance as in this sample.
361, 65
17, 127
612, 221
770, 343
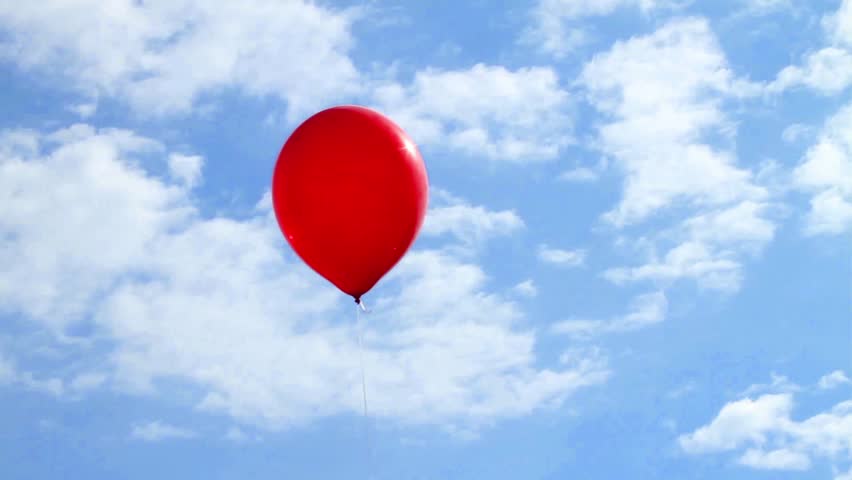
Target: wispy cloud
770, 439
561, 257
645, 310
156, 431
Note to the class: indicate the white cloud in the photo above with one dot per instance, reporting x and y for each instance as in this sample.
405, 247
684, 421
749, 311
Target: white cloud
526, 288
87, 381
767, 6
470, 224
156, 431
663, 94
558, 256
826, 173
844, 476
579, 175
781, 459
10, 375
84, 110
763, 427
693, 260
833, 380
779, 384
62, 246
708, 248
742, 225
553, 30
828, 70
645, 310
487, 111
162, 56
663, 98
213, 302
186, 168
739, 423
838, 26
797, 131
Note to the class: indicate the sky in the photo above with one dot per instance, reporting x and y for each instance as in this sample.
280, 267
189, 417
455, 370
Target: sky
635, 262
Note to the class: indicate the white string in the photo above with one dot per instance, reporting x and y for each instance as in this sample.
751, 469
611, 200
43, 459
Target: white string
369, 460
360, 307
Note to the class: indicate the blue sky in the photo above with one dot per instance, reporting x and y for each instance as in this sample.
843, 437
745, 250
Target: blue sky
635, 262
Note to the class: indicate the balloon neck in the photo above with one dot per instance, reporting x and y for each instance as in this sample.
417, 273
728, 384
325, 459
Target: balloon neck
360, 304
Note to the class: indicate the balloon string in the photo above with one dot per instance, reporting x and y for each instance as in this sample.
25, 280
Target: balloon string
358, 310
368, 444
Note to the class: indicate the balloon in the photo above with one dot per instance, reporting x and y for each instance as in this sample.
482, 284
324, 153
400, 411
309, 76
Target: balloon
350, 192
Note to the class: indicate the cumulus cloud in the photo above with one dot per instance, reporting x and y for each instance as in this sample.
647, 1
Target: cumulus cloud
219, 304
826, 173
663, 97
164, 56
662, 94
554, 29
186, 168
526, 288
471, 225
487, 110
829, 69
833, 380
770, 439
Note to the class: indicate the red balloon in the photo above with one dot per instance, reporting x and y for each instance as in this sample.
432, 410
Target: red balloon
349, 192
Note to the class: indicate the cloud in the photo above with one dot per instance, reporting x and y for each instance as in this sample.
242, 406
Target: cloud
762, 7
186, 168
833, 380
87, 381
645, 310
779, 384
10, 375
471, 225
164, 56
237, 435
560, 257
739, 423
526, 288
218, 303
63, 247
826, 173
485, 111
156, 431
553, 30
772, 440
781, 459
797, 131
663, 97
829, 69
579, 175
708, 247
84, 110
662, 94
